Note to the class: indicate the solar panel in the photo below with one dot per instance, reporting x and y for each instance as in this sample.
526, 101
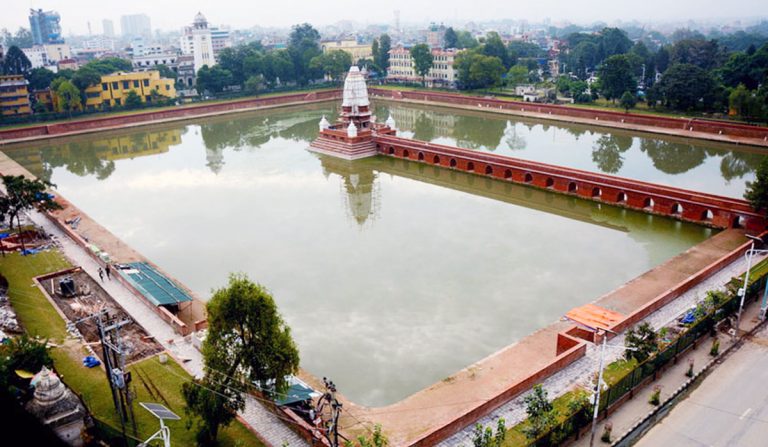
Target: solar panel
160, 411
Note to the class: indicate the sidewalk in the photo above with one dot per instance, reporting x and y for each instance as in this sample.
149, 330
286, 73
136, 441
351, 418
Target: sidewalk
258, 419
635, 409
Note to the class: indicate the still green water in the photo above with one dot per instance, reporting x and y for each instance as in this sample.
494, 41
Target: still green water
392, 274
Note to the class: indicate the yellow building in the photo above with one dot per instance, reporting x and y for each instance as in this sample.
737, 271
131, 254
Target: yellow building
357, 51
115, 87
14, 95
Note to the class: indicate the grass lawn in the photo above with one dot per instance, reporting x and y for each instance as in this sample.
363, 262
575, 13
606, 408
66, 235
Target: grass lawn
516, 437
153, 381
617, 370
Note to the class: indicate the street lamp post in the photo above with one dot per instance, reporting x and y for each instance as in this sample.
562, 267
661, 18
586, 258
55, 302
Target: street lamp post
743, 291
596, 402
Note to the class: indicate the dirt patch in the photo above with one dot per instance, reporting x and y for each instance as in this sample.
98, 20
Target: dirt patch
89, 299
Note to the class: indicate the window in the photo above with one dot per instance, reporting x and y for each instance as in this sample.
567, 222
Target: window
167, 86
105, 86
135, 83
126, 85
146, 83
117, 101
114, 86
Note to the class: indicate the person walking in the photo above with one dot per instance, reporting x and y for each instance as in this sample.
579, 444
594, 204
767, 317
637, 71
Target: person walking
109, 272
101, 274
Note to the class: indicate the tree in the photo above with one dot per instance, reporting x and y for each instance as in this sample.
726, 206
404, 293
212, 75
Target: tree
16, 62
687, 87
166, 72
451, 40
22, 38
745, 103
132, 100
247, 342
23, 194
67, 96
541, 412
478, 71
253, 84
464, 39
110, 65
616, 77
303, 45
377, 439
643, 340
85, 77
334, 63
487, 438
757, 191
40, 78
517, 75
213, 79
627, 101
22, 353
494, 47
375, 54
385, 44
422, 59
705, 54
614, 41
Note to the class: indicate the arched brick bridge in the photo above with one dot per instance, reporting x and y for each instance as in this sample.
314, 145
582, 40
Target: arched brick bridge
707, 209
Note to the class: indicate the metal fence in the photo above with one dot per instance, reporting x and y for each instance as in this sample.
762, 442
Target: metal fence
572, 425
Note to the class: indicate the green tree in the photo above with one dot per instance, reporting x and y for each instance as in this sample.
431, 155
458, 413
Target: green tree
132, 100
705, 54
110, 65
541, 412
422, 59
687, 87
67, 95
478, 71
627, 101
517, 75
22, 353
86, 77
616, 77
385, 44
464, 40
487, 438
23, 194
614, 41
494, 47
375, 54
377, 439
166, 72
334, 63
303, 45
16, 62
253, 84
757, 191
40, 78
642, 340
213, 79
22, 38
450, 39
745, 103
247, 342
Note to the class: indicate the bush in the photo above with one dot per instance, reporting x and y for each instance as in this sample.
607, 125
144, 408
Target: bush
715, 349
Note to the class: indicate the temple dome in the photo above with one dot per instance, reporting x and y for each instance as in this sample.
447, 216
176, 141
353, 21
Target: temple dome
355, 90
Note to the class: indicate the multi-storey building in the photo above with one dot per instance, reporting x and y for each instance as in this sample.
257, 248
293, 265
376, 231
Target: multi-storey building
45, 27
115, 87
108, 28
151, 61
436, 35
197, 41
442, 72
14, 95
136, 25
220, 39
349, 45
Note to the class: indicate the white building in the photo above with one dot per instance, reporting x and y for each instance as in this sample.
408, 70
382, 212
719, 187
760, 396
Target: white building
99, 43
47, 55
220, 39
37, 56
150, 61
197, 41
442, 72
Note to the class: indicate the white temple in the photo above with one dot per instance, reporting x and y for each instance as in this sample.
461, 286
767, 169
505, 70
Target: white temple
355, 90
56, 406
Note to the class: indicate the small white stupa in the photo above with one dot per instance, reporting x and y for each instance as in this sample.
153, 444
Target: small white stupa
324, 124
390, 122
351, 130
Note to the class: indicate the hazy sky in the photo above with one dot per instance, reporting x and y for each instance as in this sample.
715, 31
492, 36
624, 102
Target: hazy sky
173, 14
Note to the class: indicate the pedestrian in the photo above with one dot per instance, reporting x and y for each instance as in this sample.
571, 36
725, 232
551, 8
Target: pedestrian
101, 274
109, 272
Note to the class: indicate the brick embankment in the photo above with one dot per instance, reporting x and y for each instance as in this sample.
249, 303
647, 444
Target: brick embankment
687, 127
83, 126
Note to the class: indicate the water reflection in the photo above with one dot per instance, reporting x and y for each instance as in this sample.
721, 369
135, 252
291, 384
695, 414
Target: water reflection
607, 152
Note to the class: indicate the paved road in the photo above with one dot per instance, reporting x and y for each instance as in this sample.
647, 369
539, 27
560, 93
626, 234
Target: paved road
730, 407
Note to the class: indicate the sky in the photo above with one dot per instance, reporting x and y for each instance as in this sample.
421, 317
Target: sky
174, 14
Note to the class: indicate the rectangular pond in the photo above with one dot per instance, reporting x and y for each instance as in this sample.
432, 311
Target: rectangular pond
392, 275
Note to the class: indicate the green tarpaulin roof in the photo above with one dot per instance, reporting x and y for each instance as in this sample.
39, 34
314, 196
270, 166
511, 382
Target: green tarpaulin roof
155, 286
296, 393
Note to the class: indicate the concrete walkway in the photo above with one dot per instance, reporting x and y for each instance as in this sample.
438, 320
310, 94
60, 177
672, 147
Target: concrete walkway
261, 421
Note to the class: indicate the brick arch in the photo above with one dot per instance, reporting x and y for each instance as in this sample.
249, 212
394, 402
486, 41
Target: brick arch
471, 167
436, 160
453, 162
550, 182
573, 187
528, 178
677, 209
508, 174
621, 197
648, 203
421, 156
391, 150
597, 192
707, 215
406, 154
738, 221
488, 170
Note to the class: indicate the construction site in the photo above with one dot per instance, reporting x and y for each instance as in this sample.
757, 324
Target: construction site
82, 301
